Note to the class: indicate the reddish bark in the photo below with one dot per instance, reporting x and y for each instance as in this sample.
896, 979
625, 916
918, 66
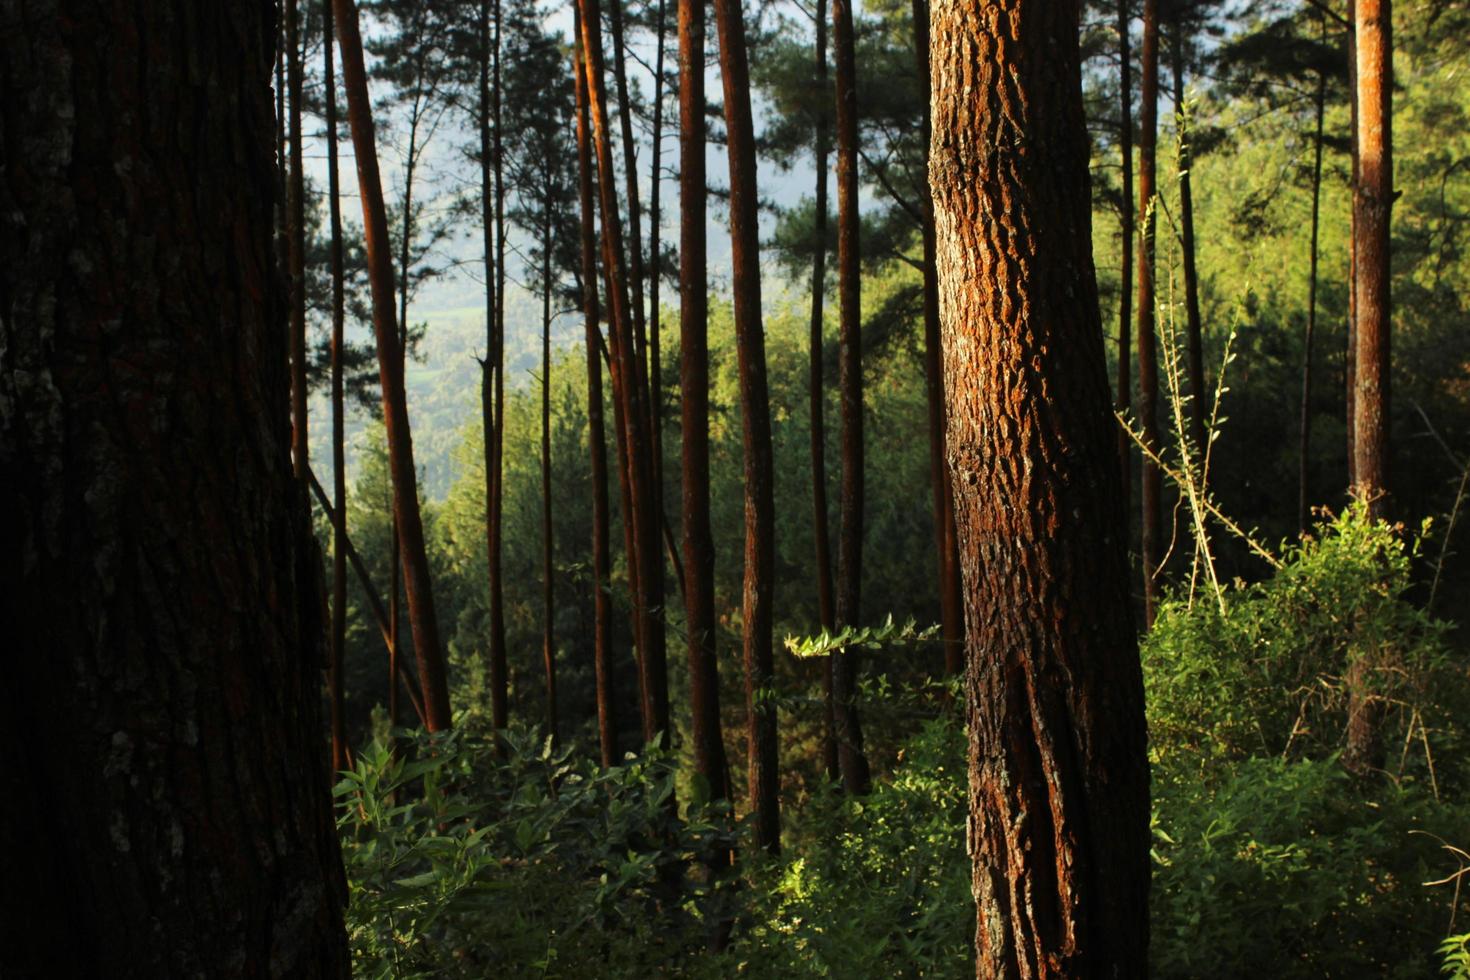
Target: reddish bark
1059, 811
417, 582
755, 411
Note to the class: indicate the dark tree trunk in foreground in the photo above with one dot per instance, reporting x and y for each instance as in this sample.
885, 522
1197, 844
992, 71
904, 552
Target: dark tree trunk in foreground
418, 585
1059, 810
1194, 327
1304, 512
1123, 397
166, 805
699, 546
951, 605
817, 401
1372, 207
296, 244
755, 412
644, 557
341, 754
607, 722
1148, 364
852, 762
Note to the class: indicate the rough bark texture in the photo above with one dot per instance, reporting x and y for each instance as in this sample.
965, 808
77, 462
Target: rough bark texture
1372, 206
1148, 365
755, 412
417, 583
826, 610
607, 721
166, 809
699, 546
341, 755
1123, 397
1059, 810
851, 759
951, 604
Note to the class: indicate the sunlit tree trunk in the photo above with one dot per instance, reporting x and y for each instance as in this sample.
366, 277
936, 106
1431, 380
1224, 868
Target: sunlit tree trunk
760, 517
166, 802
418, 585
1059, 809
851, 759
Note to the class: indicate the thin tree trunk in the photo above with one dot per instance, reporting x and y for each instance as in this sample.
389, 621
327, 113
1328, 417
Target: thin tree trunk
489, 369
1372, 206
1148, 369
341, 753
699, 548
636, 269
1372, 212
495, 525
1350, 357
951, 607
548, 610
1124, 395
419, 586
628, 391
817, 403
655, 363
760, 516
1304, 513
166, 807
1059, 810
851, 759
607, 722
296, 246
1195, 359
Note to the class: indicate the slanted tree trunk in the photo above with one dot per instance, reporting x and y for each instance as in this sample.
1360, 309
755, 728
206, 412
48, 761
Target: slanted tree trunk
1124, 394
699, 547
816, 400
1194, 328
1304, 511
341, 753
1059, 810
755, 412
166, 803
629, 395
1148, 366
602, 665
951, 607
852, 761
296, 245
418, 585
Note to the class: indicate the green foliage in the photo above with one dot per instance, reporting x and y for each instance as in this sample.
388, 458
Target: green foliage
1456, 953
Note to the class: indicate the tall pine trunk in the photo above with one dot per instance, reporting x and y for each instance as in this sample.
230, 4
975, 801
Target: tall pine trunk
826, 609
851, 759
166, 802
1304, 512
755, 411
548, 591
1123, 398
655, 361
341, 754
602, 665
1148, 366
296, 245
418, 585
699, 547
1194, 328
1059, 809
951, 607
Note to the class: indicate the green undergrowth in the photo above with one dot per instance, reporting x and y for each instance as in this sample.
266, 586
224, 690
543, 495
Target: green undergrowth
1270, 858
